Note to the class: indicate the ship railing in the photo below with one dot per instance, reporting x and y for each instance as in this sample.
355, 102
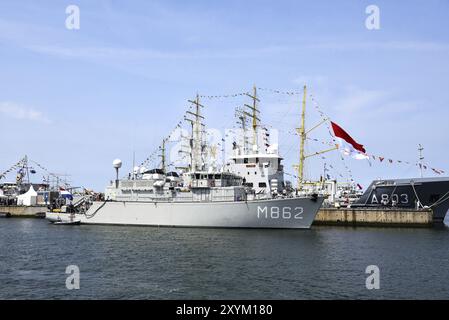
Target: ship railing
190, 199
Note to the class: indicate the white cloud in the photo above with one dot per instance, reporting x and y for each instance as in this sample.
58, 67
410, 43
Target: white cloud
358, 100
380, 45
16, 111
130, 54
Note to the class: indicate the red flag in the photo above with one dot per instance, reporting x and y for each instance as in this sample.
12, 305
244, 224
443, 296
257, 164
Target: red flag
342, 134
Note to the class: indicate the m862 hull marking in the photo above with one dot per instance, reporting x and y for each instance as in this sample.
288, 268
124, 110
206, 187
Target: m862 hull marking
280, 213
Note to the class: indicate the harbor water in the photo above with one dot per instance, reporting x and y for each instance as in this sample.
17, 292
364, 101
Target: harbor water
120, 262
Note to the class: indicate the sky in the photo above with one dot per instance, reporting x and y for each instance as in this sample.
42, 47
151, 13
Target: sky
76, 99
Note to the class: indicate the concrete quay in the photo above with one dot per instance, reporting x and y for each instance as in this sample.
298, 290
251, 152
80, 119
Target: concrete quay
374, 217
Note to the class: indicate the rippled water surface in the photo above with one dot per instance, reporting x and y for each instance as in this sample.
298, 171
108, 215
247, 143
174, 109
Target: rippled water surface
119, 262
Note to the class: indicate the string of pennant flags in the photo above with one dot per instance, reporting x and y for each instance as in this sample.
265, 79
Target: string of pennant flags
233, 95
14, 167
326, 120
21, 163
43, 168
383, 159
374, 157
324, 117
155, 153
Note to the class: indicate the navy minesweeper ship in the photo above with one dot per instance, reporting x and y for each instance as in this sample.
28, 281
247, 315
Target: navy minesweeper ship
203, 195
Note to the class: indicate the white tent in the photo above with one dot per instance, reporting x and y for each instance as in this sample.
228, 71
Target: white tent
27, 199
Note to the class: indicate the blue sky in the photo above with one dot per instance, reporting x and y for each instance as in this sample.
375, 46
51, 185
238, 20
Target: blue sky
74, 100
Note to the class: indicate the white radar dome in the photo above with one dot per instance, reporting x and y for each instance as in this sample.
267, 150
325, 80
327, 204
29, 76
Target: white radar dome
117, 163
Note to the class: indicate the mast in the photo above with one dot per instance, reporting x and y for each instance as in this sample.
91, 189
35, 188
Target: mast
421, 158
241, 116
134, 165
254, 115
163, 156
302, 136
27, 168
197, 129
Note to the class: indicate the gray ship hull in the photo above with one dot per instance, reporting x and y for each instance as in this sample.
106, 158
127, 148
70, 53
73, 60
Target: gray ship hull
291, 213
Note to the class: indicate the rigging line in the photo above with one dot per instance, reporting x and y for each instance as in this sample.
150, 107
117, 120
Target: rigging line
280, 91
153, 154
416, 195
233, 95
19, 163
441, 200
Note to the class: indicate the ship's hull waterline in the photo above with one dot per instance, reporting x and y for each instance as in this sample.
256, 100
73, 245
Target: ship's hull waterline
290, 213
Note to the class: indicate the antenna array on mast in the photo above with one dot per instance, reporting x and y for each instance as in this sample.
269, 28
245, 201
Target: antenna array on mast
196, 141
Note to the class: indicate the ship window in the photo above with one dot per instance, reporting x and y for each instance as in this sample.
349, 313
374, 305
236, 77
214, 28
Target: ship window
249, 184
197, 176
255, 172
262, 185
217, 176
257, 160
245, 160
248, 172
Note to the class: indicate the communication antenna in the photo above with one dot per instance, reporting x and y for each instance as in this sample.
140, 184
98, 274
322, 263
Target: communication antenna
197, 135
421, 158
254, 115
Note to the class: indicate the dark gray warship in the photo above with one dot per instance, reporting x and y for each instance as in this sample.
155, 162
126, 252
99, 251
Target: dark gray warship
415, 193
